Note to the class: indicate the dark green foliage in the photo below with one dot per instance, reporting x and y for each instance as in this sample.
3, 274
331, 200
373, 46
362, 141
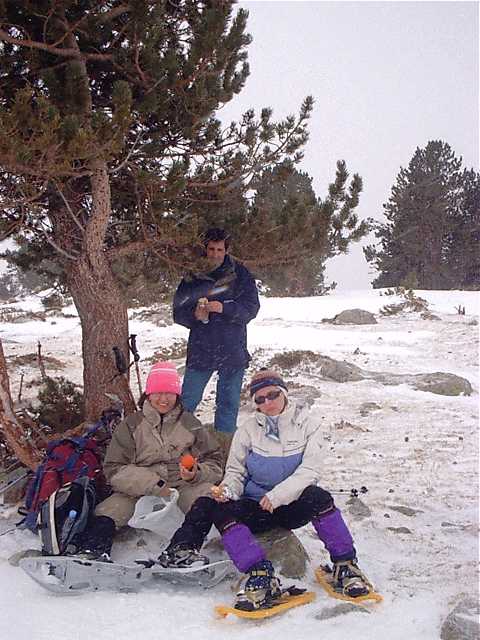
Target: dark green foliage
35, 267
430, 239
113, 162
135, 86
286, 213
462, 246
60, 404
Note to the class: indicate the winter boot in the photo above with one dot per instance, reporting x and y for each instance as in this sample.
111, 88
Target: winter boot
181, 556
261, 589
349, 580
95, 543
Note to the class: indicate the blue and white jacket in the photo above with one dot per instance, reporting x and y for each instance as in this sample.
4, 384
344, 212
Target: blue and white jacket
282, 468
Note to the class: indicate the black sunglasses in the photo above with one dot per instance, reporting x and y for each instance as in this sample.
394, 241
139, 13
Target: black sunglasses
271, 395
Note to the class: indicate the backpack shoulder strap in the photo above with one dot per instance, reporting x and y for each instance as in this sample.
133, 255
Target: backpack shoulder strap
109, 417
124, 435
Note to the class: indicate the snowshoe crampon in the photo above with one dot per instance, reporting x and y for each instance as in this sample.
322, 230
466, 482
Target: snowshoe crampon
206, 576
324, 577
290, 598
71, 575
68, 575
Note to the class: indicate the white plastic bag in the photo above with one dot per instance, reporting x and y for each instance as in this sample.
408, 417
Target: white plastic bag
160, 515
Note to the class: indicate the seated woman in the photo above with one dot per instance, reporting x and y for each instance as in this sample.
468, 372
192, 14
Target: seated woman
143, 458
270, 481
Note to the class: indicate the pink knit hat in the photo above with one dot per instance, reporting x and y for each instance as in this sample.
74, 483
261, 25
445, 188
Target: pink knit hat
163, 377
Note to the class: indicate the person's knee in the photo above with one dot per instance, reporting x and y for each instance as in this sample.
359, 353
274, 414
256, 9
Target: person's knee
223, 517
202, 507
204, 502
188, 494
118, 507
320, 500
104, 526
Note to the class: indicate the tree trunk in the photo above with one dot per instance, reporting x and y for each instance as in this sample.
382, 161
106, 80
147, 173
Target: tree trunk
80, 235
104, 320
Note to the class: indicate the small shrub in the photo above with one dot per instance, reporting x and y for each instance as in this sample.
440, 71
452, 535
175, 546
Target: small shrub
175, 351
393, 309
411, 302
31, 360
159, 314
60, 404
11, 314
292, 359
54, 302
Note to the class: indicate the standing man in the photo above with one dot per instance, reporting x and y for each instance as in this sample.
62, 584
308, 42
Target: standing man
216, 306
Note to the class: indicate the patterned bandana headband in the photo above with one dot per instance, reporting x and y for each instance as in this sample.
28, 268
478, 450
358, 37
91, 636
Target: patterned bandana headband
256, 385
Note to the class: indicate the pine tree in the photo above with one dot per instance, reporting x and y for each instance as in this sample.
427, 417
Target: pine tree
285, 200
462, 250
422, 212
111, 157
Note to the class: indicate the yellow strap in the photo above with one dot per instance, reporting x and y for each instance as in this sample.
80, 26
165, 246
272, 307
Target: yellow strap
282, 604
324, 579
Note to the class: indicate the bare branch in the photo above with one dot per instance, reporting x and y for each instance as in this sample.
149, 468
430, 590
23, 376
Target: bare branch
14, 434
64, 53
69, 209
64, 253
125, 162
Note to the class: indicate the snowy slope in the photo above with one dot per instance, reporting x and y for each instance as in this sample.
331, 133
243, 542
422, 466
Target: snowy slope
417, 450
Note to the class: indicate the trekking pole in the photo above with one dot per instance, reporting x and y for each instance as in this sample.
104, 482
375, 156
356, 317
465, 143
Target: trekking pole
352, 492
136, 358
12, 483
19, 398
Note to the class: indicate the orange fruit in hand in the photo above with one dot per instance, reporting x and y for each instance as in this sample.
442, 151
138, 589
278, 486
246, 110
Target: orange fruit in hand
188, 461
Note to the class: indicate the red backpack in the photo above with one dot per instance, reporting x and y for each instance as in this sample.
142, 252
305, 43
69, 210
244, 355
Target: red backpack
67, 460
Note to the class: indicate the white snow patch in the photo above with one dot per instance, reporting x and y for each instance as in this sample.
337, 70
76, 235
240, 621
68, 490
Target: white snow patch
418, 450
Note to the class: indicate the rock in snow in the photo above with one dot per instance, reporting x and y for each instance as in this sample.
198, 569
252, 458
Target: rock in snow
462, 622
354, 316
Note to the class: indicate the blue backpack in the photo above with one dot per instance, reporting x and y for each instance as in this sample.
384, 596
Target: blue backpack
65, 515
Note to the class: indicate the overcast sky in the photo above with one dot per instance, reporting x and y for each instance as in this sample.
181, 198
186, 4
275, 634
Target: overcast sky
387, 77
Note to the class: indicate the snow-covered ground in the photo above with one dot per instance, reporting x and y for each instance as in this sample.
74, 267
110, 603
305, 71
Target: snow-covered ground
417, 451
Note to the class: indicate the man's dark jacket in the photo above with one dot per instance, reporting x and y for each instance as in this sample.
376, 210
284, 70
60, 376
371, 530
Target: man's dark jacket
222, 342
